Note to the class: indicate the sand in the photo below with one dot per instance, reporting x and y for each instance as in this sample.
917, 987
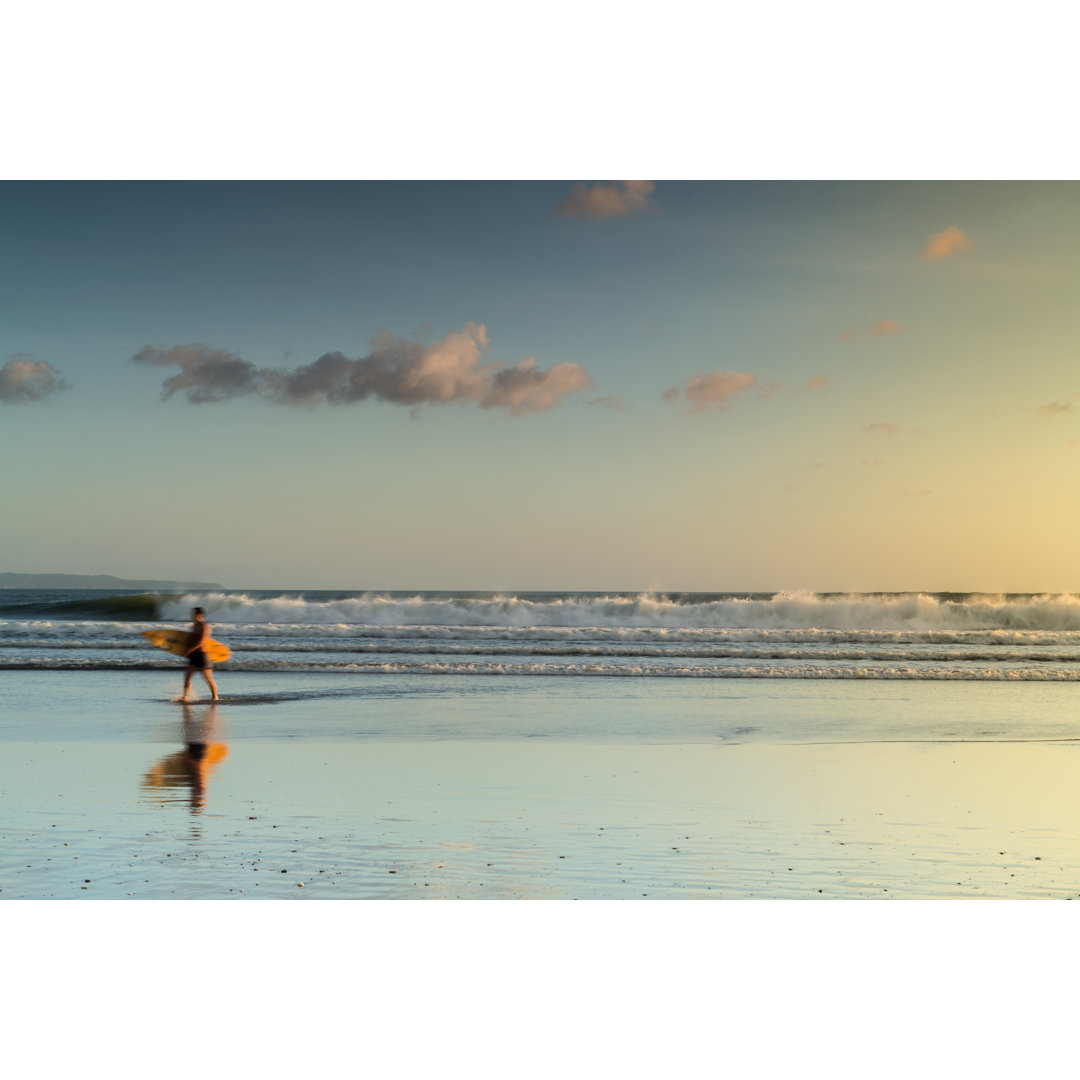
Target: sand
115, 805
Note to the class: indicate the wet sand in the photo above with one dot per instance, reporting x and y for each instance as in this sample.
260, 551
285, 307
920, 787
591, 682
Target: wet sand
210, 816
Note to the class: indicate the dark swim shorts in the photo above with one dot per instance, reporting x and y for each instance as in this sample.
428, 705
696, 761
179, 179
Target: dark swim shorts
198, 659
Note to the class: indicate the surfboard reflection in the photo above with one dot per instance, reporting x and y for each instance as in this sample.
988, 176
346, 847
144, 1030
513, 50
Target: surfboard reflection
189, 769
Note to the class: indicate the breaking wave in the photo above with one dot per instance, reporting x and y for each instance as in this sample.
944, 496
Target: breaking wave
124, 607
792, 635
921, 612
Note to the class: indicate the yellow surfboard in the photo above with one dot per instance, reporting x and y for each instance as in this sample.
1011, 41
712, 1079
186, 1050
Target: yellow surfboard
176, 641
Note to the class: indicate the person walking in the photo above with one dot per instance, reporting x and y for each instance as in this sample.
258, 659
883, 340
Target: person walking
196, 655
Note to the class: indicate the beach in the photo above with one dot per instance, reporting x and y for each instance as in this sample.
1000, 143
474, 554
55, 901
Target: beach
557, 789
679, 542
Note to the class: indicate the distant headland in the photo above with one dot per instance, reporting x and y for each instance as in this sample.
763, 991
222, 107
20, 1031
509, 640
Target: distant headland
97, 581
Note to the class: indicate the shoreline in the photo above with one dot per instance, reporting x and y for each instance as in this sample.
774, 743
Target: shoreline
389, 820
386, 788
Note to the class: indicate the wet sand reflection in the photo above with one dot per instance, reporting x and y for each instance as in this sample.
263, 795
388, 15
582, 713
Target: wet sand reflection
189, 769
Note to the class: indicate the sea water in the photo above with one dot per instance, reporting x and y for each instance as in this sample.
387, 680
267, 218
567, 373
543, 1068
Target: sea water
1015, 638
411, 744
639, 667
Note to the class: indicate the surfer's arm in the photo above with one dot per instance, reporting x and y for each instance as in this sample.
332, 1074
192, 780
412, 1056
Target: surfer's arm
198, 636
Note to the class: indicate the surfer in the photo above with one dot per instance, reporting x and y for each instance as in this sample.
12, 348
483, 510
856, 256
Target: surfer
196, 656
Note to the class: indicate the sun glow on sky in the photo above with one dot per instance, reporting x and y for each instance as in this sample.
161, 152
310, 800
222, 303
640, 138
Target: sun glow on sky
515, 385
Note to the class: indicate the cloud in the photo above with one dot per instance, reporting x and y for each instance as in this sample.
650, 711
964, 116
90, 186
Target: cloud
712, 390
818, 382
885, 327
873, 464
948, 242
399, 370
613, 401
1055, 408
616, 199
524, 388
396, 370
23, 379
205, 374
883, 426
882, 328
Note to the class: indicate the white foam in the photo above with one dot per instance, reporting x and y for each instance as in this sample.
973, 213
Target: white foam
786, 636
672, 671
915, 612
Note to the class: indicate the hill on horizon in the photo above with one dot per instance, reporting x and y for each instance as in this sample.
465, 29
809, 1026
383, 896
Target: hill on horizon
96, 581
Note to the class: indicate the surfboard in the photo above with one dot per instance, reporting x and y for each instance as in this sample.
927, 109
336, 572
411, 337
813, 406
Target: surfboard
176, 641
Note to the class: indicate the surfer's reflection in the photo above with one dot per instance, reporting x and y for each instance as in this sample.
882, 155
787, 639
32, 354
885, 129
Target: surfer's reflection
193, 766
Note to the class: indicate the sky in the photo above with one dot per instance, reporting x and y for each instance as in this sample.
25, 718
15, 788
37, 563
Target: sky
512, 385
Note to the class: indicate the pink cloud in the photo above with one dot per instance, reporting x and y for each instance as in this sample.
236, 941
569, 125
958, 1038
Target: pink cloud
396, 370
885, 327
883, 426
818, 382
1055, 408
23, 379
712, 390
948, 242
882, 328
616, 199
525, 388
611, 401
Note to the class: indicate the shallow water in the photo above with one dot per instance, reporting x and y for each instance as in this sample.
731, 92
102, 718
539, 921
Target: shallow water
509, 820
308, 787
140, 706
797, 636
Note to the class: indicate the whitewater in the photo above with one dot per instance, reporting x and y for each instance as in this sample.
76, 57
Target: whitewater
783, 635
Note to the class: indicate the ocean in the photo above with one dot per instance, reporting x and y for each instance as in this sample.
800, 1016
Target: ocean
785, 635
658, 667
404, 745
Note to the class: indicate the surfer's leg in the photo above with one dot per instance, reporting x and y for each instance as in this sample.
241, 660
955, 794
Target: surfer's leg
188, 672
210, 682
